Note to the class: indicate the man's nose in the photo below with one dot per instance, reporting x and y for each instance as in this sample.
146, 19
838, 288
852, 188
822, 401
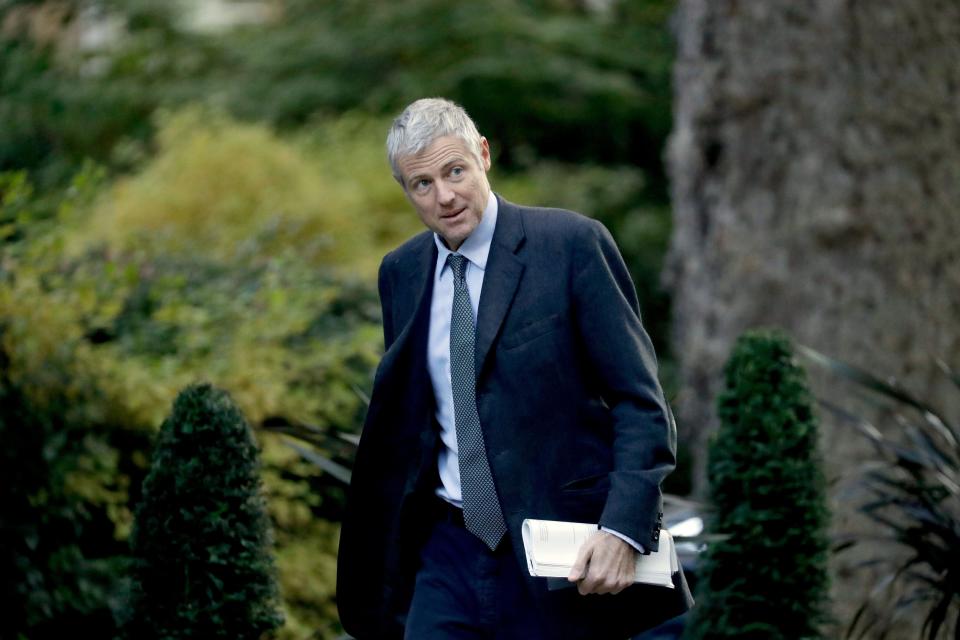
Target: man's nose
445, 194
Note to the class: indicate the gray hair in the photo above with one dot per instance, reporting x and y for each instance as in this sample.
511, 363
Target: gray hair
423, 122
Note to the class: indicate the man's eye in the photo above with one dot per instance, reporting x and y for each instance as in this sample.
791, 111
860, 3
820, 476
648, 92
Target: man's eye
456, 172
422, 184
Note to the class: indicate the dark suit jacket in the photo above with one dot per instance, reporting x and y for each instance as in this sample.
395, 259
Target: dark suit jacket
574, 420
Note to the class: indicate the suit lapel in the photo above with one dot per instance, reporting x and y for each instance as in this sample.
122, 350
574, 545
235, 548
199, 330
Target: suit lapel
500, 281
414, 288
415, 291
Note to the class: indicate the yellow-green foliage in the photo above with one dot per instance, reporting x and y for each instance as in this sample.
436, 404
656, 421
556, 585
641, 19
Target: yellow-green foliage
235, 257
229, 190
227, 246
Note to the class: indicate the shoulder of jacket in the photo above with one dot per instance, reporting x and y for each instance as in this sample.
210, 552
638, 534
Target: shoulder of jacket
410, 248
558, 222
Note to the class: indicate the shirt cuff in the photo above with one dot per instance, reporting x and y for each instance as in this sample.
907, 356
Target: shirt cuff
630, 541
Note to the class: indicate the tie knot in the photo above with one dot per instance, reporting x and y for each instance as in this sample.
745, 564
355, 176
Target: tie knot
458, 263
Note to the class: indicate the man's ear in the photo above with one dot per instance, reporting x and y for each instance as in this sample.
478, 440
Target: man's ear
485, 153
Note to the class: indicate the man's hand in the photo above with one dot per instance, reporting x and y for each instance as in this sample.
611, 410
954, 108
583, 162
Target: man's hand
605, 564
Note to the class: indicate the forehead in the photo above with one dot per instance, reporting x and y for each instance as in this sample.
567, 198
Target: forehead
435, 156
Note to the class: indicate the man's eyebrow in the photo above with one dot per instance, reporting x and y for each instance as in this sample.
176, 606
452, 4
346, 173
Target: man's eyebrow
412, 178
457, 159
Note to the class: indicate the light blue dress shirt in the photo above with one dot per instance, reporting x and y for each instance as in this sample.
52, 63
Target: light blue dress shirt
476, 249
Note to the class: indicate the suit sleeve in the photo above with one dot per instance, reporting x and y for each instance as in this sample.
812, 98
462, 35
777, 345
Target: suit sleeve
386, 308
621, 358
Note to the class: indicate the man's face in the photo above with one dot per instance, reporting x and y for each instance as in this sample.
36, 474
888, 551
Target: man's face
448, 187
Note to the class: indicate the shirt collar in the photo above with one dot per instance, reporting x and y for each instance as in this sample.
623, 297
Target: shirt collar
476, 248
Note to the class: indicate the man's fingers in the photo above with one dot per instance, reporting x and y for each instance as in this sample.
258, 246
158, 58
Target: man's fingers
596, 581
579, 569
585, 587
606, 565
600, 582
593, 571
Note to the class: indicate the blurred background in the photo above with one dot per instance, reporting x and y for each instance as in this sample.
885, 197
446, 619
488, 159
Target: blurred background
198, 190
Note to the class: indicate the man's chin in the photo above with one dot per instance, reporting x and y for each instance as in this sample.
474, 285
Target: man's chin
453, 243
455, 236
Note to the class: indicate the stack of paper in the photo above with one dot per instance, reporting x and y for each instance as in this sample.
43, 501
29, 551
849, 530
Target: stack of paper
551, 548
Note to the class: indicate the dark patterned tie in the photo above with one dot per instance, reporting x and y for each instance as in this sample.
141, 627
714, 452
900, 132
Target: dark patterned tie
481, 508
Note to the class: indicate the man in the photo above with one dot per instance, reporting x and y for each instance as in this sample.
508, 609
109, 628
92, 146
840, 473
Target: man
517, 383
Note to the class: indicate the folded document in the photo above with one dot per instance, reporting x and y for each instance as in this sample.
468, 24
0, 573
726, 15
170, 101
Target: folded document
551, 548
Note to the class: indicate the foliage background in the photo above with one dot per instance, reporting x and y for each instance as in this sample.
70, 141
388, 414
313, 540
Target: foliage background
181, 203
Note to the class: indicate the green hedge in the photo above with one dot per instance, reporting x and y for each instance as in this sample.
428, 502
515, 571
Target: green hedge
203, 564
768, 577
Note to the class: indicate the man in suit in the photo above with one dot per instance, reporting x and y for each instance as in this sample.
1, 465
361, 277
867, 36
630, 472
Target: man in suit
517, 382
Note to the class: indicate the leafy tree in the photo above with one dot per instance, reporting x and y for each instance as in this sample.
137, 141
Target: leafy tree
540, 78
768, 577
55, 117
201, 538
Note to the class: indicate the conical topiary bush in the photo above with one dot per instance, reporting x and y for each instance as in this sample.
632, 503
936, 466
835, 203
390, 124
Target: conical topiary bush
768, 578
201, 537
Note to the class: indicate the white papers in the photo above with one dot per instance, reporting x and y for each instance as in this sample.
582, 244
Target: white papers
552, 546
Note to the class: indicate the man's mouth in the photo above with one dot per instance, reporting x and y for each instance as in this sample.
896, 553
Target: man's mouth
453, 214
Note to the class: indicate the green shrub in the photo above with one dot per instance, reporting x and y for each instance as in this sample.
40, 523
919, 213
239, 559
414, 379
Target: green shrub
201, 537
229, 190
768, 577
60, 566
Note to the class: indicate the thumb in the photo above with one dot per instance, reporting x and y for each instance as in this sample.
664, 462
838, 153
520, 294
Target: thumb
579, 569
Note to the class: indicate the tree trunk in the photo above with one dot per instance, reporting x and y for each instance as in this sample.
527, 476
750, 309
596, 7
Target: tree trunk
815, 164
